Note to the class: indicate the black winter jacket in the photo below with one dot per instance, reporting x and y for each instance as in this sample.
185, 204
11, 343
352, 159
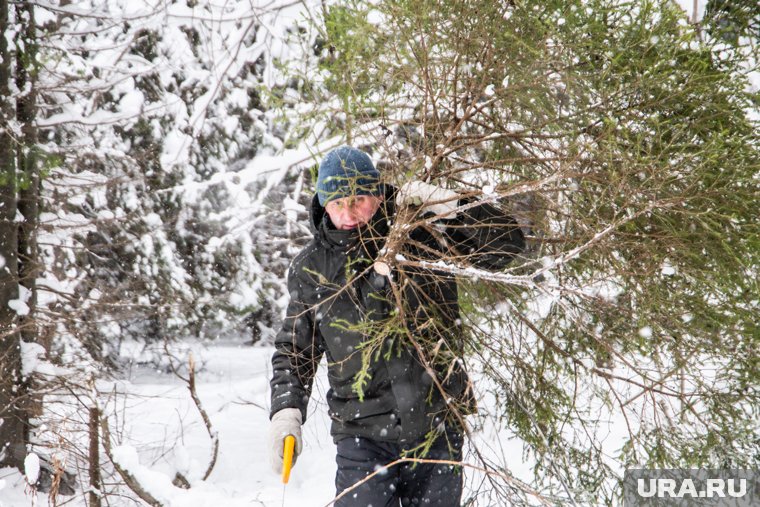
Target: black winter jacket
342, 309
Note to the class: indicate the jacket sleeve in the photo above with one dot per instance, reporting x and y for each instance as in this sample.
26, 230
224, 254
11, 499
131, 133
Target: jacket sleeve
297, 351
488, 236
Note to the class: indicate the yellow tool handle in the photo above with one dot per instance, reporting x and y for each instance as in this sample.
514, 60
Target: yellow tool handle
287, 457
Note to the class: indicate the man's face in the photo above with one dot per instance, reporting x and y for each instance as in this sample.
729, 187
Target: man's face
351, 212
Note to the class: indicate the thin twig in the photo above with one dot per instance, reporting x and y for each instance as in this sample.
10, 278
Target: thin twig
129, 479
400, 461
211, 432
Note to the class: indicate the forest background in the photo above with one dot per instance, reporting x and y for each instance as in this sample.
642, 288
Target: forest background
158, 159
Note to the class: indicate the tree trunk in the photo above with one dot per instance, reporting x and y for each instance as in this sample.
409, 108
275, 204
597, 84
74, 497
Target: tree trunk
12, 419
28, 167
94, 494
28, 192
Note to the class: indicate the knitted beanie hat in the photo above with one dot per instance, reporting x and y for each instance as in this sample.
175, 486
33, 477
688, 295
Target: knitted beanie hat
346, 171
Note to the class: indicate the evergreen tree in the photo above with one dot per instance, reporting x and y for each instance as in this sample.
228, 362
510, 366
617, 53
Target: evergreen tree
625, 142
154, 134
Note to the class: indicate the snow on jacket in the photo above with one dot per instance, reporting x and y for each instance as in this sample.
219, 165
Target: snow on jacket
338, 304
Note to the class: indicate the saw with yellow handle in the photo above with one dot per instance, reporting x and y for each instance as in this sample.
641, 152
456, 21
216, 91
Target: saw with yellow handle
287, 462
287, 457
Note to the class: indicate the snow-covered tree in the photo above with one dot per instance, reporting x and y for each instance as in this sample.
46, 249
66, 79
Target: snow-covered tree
160, 165
161, 201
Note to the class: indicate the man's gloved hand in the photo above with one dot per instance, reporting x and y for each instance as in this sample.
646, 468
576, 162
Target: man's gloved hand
422, 194
285, 422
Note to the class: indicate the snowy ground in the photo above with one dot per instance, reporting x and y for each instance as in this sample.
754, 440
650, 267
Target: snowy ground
162, 425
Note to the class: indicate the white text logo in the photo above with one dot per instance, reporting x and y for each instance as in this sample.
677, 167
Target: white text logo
670, 488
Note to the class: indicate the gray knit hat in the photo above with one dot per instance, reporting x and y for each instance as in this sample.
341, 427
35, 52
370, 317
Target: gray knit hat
346, 171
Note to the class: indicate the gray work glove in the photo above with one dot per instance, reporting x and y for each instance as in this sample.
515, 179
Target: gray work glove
422, 194
284, 422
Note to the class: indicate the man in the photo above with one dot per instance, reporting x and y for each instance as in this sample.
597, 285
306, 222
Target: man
392, 337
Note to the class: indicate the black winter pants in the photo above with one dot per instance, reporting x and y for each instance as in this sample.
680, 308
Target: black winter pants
406, 484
